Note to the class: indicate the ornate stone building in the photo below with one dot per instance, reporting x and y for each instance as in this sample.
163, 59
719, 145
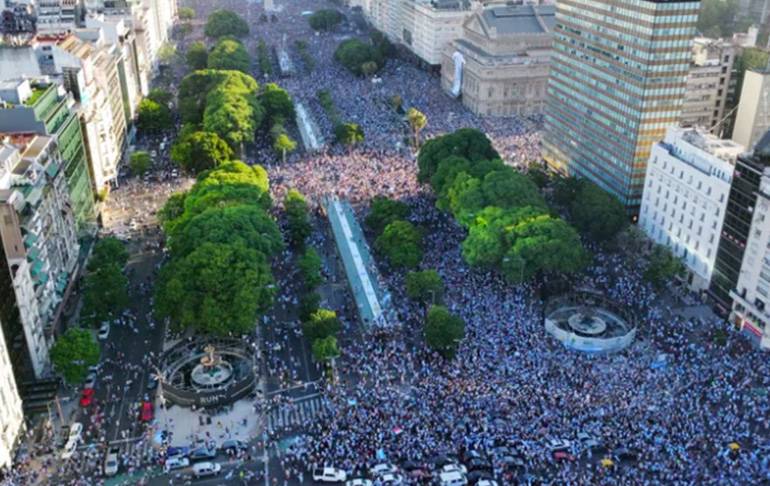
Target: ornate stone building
500, 65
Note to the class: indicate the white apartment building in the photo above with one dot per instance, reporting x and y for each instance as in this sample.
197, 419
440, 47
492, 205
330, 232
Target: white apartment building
752, 119
751, 313
90, 73
426, 27
56, 16
11, 414
685, 194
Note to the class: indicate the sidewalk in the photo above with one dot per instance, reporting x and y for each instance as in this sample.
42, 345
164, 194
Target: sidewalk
190, 427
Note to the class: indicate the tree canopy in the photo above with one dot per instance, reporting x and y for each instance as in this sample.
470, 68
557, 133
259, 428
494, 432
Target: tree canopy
186, 13
509, 226
325, 20
107, 251
663, 267
325, 349
717, 18
220, 241
229, 54
443, 331
295, 207
401, 242
384, 211
309, 264
468, 143
417, 120
277, 103
197, 55
153, 117
140, 163
348, 134
426, 285
322, 323
353, 54
73, 353
225, 22
598, 214
200, 151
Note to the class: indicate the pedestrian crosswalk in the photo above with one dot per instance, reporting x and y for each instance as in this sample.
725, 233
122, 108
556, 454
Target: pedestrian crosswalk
89, 459
297, 413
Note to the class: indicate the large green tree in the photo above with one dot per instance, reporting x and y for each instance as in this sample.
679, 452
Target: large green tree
107, 251
105, 294
401, 242
200, 151
325, 20
225, 22
309, 264
322, 323
468, 143
231, 183
161, 96
242, 224
384, 211
197, 55
663, 267
353, 54
73, 353
598, 214
348, 134
325, 349
230, 55
277, 104
443, 331
140, 163
233, 116
153, 117
295, 208
417, 120
186, 13
426, 286
219, 288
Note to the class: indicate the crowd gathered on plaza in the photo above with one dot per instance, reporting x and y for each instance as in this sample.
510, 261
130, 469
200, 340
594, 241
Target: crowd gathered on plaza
510, 382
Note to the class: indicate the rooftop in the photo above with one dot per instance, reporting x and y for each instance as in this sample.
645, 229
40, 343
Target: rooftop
520, 19
37, 92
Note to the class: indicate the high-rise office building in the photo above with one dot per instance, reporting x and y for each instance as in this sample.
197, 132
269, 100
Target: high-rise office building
617, 81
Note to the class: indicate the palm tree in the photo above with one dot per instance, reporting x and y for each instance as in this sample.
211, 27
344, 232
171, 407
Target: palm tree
417, 120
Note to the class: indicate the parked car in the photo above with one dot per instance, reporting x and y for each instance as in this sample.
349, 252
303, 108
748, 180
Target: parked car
556, 445
75, 432
392, 479
478, 463
478, 475
147, 411
111, 462
203, 469
177, 451
498, 451
69, 449
104, 331
381, 469
589, 442
487, 482
329, 475
86, 397
452, 479
203, 453
470, 455
152, 384
624, 454
64, 437
359, 482
177, 462
90, 380
234, 446
450, 468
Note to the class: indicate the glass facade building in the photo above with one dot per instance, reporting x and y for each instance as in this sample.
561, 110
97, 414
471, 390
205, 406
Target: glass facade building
617, 81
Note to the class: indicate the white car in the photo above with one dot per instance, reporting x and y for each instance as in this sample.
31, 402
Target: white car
69, 449
454, 468
90, 381
558, 445
329, 475
589, 442
452, 479
177, 462
206, 469
392, 479
104, 331
359, 482
76, 432
111, 462
381, 469
487, 482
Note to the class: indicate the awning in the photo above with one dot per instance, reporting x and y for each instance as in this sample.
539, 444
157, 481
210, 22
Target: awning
52, 170
43, 279
33, 253
30, 239
60, 286
36, 268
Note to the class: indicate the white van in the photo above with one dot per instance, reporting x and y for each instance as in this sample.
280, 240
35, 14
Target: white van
453, 479
206, 469
177, 462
